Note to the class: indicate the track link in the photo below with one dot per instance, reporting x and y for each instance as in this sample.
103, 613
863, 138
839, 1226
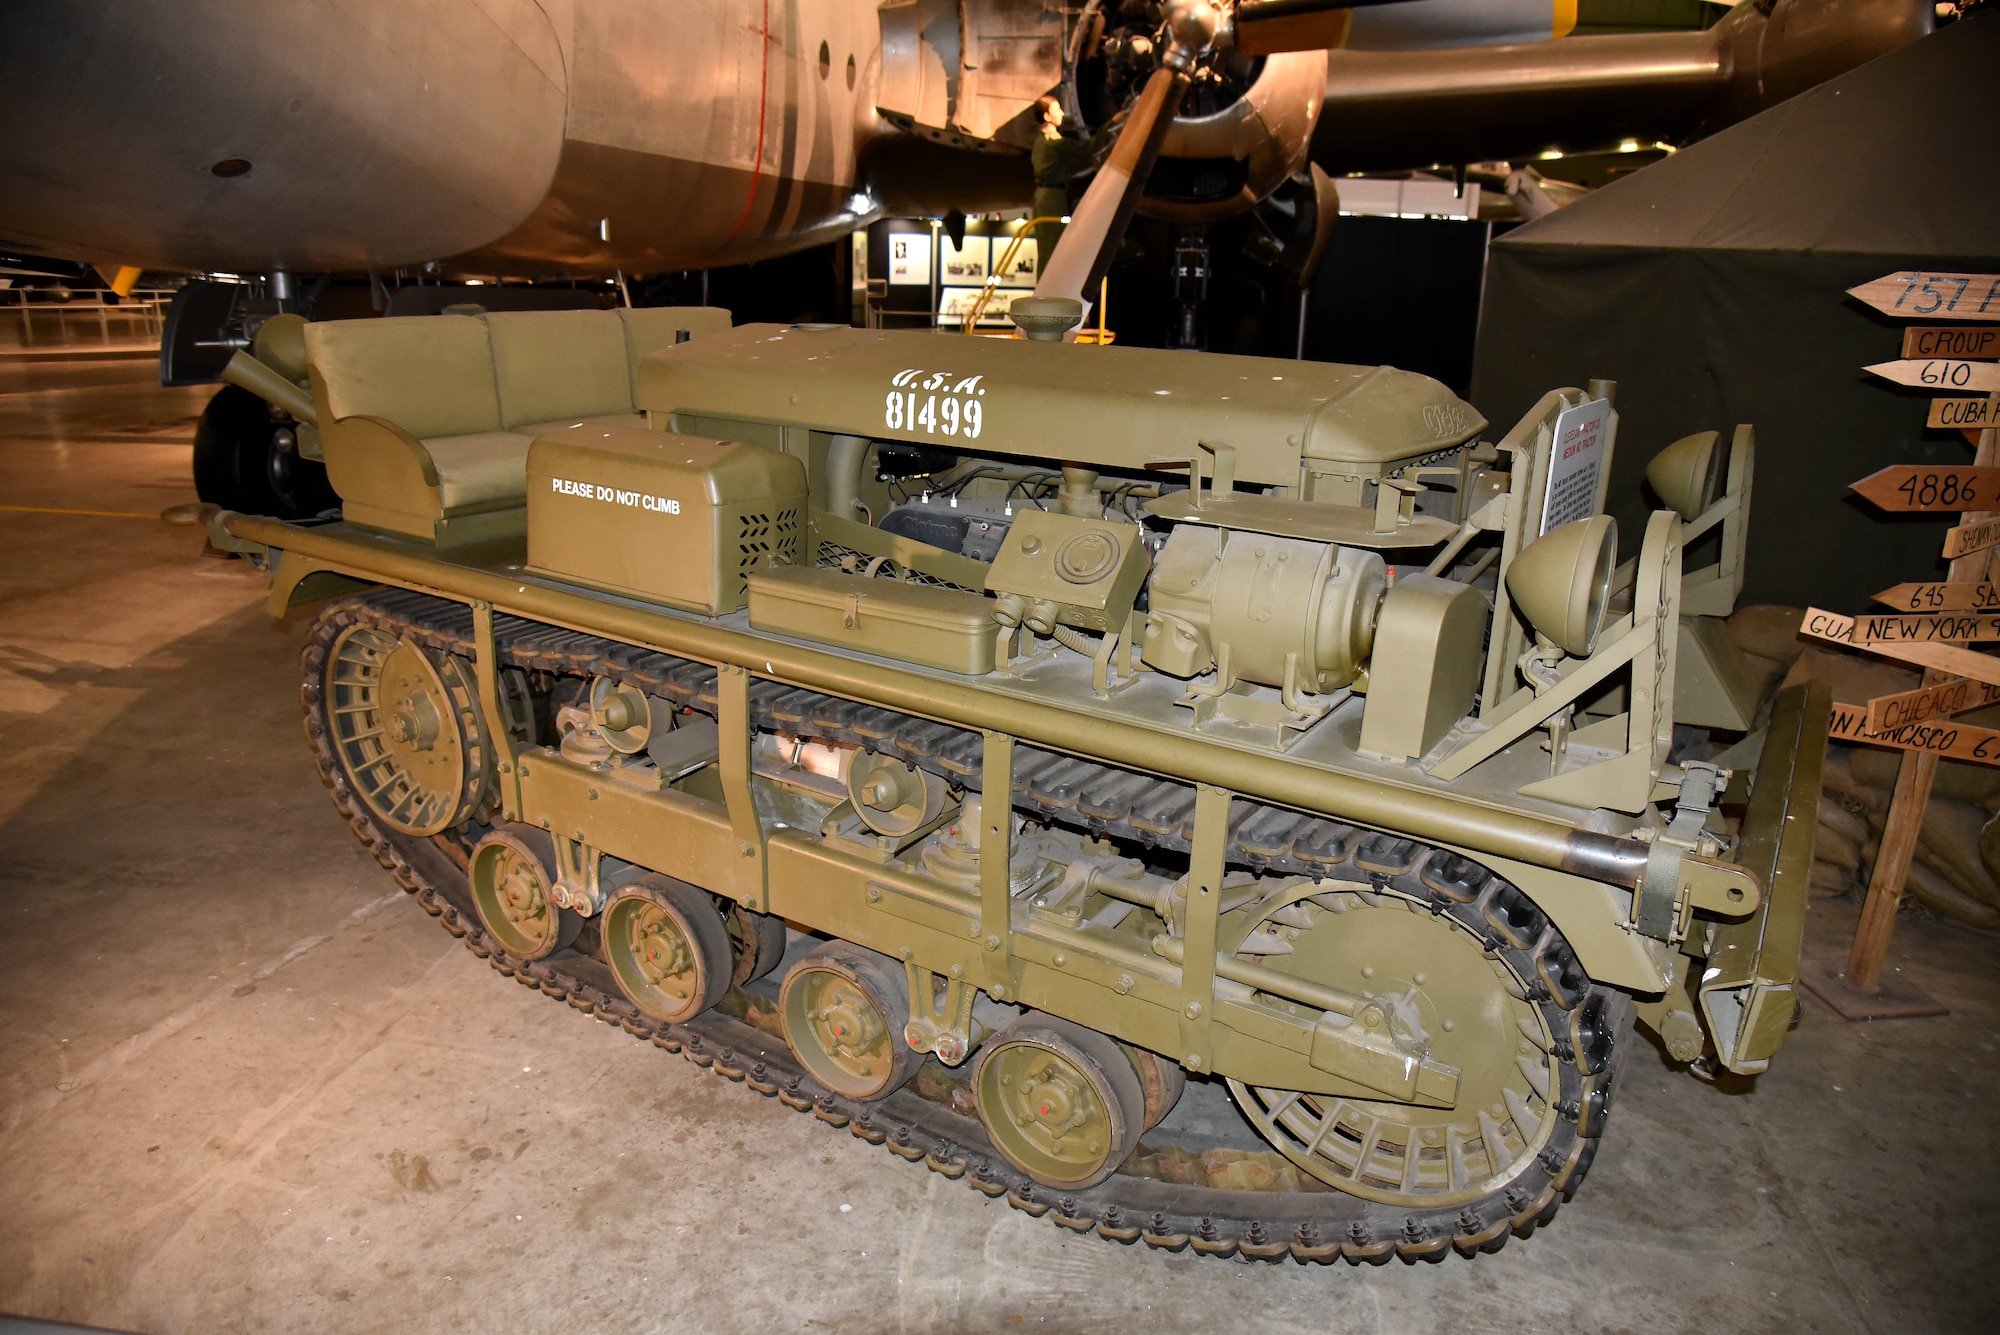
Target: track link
1311, 1225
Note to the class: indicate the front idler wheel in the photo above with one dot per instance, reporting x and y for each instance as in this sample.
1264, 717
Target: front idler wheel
405, 730
1462, 986
844, 1010
513, 892
667, 947
1060, 1101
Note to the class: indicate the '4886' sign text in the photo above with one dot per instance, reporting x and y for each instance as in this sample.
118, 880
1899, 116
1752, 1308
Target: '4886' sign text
932, 403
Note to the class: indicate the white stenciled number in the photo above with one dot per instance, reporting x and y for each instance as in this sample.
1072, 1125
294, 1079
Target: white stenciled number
944, 412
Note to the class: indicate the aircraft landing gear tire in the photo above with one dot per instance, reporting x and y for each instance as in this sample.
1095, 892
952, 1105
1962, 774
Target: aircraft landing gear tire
246, 458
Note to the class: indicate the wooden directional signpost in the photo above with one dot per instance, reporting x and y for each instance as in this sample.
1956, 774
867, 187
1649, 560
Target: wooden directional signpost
1923, 487
1934, 625
1941, 373
1888, 712
1951, 340
1915, 295
1942, 597
1967, 414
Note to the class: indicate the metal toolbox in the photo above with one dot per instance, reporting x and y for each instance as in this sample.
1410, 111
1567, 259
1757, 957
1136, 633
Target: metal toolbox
917, 623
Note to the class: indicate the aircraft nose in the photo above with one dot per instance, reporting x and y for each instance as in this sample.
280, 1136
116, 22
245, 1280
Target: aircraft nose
212, 135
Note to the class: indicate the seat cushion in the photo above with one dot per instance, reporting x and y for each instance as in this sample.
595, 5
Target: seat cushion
481, 470
651, 327
562, 424
556, 364
431, 375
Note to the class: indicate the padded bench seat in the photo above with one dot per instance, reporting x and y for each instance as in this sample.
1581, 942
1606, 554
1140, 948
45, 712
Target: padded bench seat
426, 420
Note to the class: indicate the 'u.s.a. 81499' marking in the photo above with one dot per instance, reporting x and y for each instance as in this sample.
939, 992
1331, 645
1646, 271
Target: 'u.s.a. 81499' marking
931, 402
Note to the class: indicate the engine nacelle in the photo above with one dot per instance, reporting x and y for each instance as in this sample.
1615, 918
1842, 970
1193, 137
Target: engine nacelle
968, 74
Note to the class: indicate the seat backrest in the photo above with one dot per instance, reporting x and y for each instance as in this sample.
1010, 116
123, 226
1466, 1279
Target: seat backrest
555, 364
431, 375
650, 327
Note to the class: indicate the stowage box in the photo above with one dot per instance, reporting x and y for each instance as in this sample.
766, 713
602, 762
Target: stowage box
941, 628
673, 519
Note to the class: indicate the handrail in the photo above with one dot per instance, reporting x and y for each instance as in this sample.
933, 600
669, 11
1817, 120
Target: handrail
993, 273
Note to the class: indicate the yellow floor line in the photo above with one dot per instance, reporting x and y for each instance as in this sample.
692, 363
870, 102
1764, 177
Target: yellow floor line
94, 514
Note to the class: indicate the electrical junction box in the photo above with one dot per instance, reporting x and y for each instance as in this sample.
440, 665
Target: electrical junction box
1068, 569
673, 519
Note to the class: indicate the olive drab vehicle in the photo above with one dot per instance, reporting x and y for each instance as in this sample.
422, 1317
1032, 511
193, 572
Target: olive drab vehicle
1222, 802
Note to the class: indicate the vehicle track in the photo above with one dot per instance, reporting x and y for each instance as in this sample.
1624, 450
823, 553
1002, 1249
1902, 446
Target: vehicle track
1314, 1224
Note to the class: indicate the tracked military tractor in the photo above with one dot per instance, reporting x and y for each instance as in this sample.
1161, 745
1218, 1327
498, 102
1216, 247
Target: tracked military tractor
1225, 803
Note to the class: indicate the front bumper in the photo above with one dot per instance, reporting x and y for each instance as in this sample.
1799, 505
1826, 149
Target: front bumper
1749, 983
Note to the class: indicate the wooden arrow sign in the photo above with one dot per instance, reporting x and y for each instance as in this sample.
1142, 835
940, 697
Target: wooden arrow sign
1939, 701
1941, 374
1938, 296
1956, 741
1965, 539
1967, 414
1923, 628
1942, 597
1959, 662
1974, 341
1921, 487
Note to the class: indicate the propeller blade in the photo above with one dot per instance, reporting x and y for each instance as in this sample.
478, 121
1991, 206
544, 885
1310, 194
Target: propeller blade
1100, 218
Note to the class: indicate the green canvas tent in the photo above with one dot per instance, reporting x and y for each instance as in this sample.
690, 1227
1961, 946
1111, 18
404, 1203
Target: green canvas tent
1711, 286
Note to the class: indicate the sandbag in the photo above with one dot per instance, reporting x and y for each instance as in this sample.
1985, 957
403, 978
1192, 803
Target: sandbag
1950, 841
1853, 679
1828, 880
1768, 630
1875, 766
1956, 780
1838, 777
1933, 891
1831, 846
1989, 847
1832, 815
1962, 782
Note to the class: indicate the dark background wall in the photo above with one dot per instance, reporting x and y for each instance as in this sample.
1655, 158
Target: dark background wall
1402, 292
1397, 291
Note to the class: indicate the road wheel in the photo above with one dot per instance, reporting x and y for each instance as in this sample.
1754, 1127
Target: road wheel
844, 1011
1060, 1101
667, 947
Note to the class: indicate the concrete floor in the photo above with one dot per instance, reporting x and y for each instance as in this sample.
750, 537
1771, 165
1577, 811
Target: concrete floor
244, 1085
